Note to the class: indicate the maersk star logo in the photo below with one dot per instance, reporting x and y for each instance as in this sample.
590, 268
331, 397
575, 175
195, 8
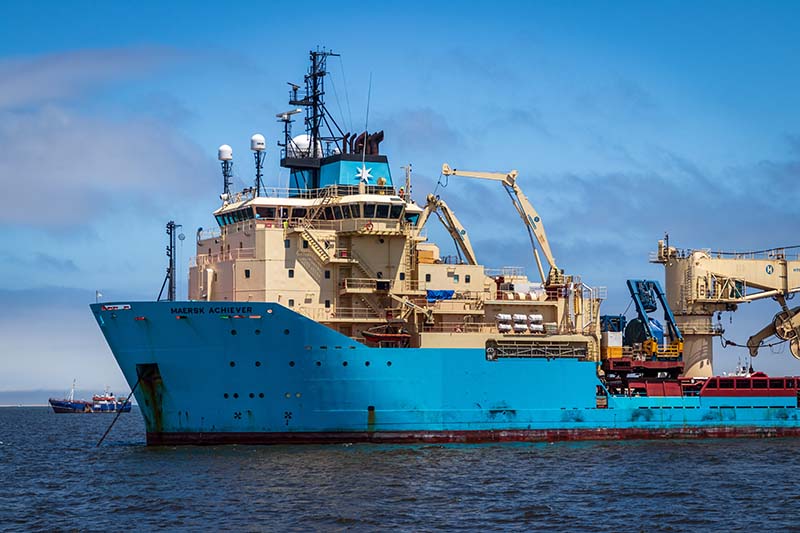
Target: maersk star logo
363, 174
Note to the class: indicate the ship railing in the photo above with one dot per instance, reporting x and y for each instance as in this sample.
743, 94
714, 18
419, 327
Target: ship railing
506, 271
348, 313
412, 285
372, 284
701, 329
465, 327
788, 253
209, 234
230, 255
331, 190
353, 224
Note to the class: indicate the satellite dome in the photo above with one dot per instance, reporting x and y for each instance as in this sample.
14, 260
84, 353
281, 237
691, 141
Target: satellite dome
301, 146
257, 143
225, 153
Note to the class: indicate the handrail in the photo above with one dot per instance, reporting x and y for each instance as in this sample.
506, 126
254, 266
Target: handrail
231, 255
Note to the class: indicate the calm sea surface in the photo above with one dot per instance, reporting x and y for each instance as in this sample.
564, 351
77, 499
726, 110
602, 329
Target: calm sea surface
53, 478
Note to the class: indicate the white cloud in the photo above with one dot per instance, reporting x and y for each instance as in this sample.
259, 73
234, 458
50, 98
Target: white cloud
34, 80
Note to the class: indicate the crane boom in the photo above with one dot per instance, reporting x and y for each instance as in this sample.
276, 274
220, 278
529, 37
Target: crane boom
451, 224
701, 283
530, 217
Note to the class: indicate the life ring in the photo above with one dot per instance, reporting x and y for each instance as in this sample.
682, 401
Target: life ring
368, 226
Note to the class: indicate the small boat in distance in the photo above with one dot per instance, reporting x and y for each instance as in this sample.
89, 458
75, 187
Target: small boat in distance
101, 403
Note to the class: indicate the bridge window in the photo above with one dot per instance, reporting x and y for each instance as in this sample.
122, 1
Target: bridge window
298, 212
726, 384
712, 384
759, 383
397, 210
467, 278
382, 211
284, 212
369, 210
427, 278
742, 383
337, 212
790, 383
328, 213
776, 384
412, 218
355, 210
345, 211
266, 212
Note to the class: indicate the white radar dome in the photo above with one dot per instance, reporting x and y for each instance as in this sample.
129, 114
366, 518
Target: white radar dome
257, 143
301, 146
225, 153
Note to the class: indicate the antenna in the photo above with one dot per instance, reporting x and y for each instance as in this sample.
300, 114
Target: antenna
286, 118
407, 191
225, 154
170, 277
258, 145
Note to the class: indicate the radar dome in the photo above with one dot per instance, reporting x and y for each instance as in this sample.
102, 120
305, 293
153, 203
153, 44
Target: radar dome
257, 143
301, 146
225, 153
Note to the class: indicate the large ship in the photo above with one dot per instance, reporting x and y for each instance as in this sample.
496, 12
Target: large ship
322, 313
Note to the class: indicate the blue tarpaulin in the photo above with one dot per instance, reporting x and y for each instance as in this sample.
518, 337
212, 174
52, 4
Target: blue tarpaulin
435, 296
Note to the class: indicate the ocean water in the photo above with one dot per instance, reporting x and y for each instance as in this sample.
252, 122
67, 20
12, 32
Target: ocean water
54, 478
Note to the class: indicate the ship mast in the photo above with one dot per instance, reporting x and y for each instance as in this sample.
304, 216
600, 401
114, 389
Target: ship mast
324, 134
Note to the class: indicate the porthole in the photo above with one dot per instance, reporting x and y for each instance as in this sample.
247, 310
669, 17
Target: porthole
288, 395
258, 363
252, 395
297, 395
225, 395
233, 332
258, 332
232, 363
286, 332
388, 363
344, 363
235, 394
319, 363
260, 394
366, 363
291, 363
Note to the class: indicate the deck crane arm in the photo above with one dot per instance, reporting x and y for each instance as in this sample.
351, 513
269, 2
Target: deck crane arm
701, 283
645, 293
527, 213
452, 225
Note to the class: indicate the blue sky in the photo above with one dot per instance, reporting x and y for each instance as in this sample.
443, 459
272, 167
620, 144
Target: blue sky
624, 120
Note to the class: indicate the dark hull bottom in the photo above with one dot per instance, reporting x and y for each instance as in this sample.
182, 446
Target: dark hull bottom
441, 437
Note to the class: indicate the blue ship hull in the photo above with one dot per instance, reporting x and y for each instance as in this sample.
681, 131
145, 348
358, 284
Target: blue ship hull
81, 406
222, 372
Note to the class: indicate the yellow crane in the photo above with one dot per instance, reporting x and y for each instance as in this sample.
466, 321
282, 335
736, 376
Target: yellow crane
451, 224
530, 217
